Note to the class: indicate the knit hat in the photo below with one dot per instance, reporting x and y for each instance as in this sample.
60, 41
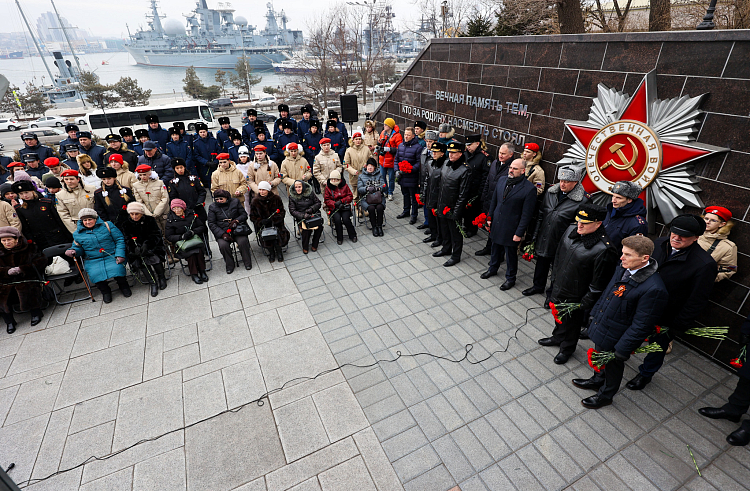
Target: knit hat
87, 212
628, 189
136, 207
243, 150
116, 157
9, 232
21, 175
431, 135
222, 193
6, 188
390, 122
335, 174
177, 203
568, 173
265, 185
51, 183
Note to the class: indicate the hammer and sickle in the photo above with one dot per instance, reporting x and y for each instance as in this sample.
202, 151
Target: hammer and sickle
626, 164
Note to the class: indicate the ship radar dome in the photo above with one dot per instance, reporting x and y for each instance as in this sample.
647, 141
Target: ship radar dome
173, 27
240, 21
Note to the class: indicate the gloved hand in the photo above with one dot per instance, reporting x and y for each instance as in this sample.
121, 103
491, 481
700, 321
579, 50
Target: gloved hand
233, 224
119, 260
141, 250
188, 235
266, 223
308, 216
338, 204
398, 176
370, 189
70, 253
226, 237
14, 271
621, 357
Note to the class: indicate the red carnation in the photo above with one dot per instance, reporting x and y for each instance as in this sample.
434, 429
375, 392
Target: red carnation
736, 363
101, 250
590, 352
446, 210
419, 199
555, 313
134, 238
434, 212
658, 329
229, 230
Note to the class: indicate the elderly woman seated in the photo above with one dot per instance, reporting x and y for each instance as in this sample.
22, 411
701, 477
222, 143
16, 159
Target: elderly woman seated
228, 222
304, 206
21, 266
103, 246
267, 213
185, 229
145, 246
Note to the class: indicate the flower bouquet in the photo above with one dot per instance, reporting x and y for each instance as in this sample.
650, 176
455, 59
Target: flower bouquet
528, 252
560, 310
597, 359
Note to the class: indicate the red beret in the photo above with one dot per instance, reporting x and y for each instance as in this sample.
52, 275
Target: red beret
532, 146
259, 148
16, 164
291, 146
116, 157
69, 172
222, 156
143, 168
720, 212
357, 134
325, 140
51, 161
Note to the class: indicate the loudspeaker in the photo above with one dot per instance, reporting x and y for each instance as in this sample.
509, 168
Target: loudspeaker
349, 109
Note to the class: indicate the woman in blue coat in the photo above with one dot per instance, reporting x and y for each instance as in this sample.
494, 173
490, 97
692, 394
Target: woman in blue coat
102, 245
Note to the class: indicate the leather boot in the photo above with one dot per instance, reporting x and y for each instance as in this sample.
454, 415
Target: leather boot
196, 279
11, 328
162, 282
154, 289
279, 253
203, 276
36, 318
272, 254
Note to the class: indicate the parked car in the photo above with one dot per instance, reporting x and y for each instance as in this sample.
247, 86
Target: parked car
263, 116
379, 89
50, 136
220, 103
49, 121
11, 124
265, 101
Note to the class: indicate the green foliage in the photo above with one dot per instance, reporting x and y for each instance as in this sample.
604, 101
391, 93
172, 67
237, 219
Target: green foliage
34, 101
96, 93
270, 90
194, 87
478, 26
8, 103
131, 93
222, 78
242, 78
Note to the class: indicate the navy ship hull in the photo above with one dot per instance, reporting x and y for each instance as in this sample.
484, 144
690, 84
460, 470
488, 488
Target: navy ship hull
216, 59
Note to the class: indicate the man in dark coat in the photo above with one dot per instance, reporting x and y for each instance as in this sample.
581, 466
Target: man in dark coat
476, 159
142, 136
223, 135
626, 214
160, 163
341, 127
511, 209
128, 139
303, 125
287, 136
338, 143
252, 127
431, 189
739, 400
179, 148
87, 146
408, 163
116, 146
70, 156
34, 167
187, 187
424, 157
497, 169
205, 150
32, 145
72, 131
156, 133
584, 262
624, 316
283, 116
559, 207
688, 273
451, 201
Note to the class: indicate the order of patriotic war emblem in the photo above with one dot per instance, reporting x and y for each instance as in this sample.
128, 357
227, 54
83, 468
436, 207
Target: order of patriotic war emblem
641, 139
623, 151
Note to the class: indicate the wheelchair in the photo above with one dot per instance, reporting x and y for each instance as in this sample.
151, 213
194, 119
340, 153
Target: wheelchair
54, 287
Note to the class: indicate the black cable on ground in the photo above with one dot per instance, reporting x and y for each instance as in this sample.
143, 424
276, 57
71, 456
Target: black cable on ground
259, 401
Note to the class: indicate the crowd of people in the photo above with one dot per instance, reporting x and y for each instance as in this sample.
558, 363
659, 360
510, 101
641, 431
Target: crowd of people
599, 272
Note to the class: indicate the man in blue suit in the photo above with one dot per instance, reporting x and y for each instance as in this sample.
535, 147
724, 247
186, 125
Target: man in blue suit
156, 133
511, 209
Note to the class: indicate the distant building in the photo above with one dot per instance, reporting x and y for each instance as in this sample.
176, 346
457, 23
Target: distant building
49, 29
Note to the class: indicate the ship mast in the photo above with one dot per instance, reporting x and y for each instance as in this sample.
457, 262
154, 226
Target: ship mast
41, 55
65, 33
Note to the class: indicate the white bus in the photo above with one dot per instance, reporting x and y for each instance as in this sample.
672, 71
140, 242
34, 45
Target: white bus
191, 112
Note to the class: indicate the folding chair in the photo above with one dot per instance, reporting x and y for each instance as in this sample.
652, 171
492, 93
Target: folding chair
206, 254
58, 251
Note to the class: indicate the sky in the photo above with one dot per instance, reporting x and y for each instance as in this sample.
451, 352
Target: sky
108, 18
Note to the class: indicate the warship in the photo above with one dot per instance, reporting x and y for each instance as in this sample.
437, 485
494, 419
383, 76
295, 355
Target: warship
213, 38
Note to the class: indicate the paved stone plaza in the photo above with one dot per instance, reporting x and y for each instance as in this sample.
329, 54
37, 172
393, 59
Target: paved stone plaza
93, 379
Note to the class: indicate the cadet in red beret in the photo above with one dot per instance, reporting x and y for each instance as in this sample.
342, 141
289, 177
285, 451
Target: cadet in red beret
534, 171
715, 240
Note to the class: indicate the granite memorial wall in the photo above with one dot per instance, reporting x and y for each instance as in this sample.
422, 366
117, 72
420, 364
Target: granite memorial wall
524, 89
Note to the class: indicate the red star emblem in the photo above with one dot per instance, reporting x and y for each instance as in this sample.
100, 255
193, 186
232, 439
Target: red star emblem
632, 147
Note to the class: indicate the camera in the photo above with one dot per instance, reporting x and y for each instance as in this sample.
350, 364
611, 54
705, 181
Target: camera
379, 150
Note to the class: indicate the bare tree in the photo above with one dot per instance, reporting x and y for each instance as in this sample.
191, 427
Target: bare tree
446, 18
660, 15
570, 16
613, 19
